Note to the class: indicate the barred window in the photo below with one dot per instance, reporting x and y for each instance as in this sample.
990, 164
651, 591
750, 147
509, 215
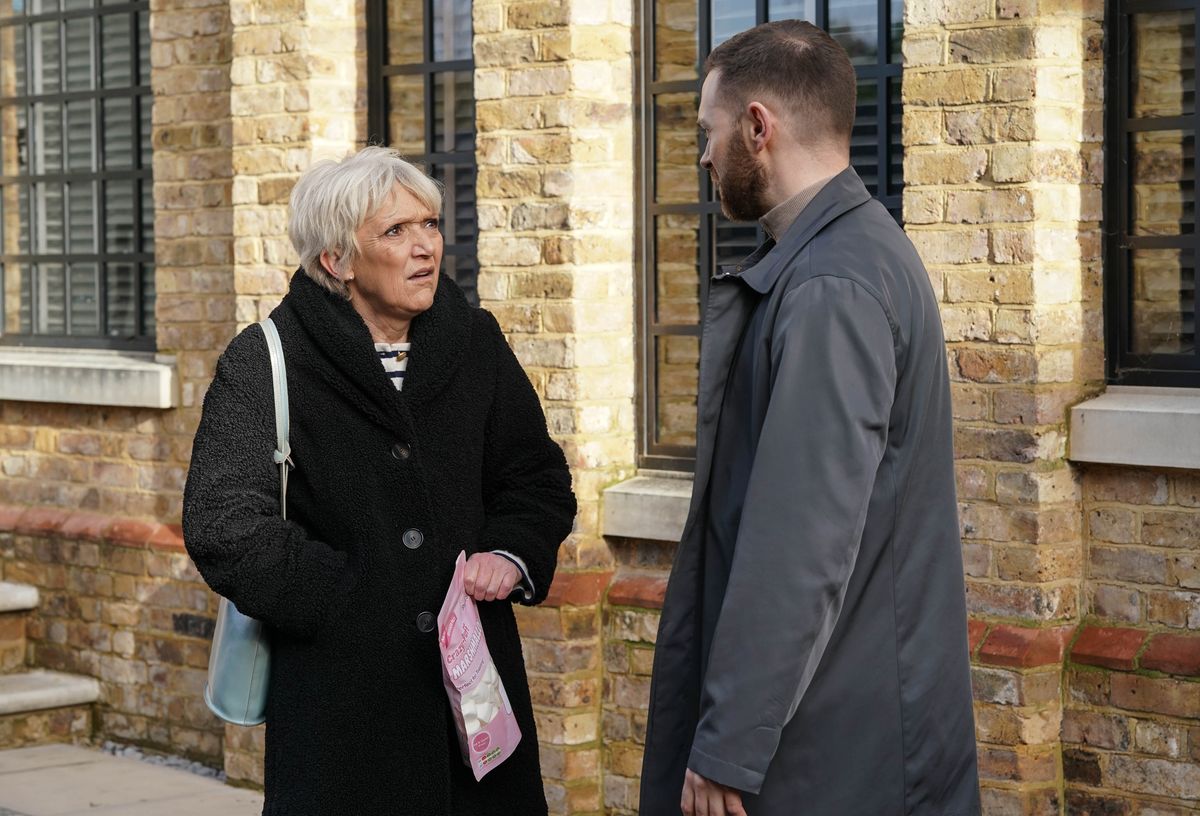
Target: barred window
422, 102
1150, 252
76, 191
683, 236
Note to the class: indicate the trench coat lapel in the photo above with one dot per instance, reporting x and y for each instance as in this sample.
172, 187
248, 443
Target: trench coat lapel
730, 305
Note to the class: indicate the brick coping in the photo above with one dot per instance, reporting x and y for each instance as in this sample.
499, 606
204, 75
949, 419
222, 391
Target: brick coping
991, 644
83, 525
1011, 646
1120, 648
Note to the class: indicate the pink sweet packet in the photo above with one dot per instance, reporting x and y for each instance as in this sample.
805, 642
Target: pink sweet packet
487, 730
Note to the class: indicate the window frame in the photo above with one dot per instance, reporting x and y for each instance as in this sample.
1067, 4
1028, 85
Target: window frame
378, 72
1123, 366
140, 174
884, 71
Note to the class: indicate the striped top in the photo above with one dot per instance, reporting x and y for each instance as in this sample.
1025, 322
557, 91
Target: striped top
394, 357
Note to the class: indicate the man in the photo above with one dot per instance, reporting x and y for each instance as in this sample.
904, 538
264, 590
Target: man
812, 655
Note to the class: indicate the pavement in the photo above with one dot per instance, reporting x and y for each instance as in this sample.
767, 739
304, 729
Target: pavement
65, 780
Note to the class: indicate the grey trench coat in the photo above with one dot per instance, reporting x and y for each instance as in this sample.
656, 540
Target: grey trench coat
837, 680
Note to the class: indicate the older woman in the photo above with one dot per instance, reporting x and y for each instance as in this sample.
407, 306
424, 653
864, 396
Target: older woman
415, 435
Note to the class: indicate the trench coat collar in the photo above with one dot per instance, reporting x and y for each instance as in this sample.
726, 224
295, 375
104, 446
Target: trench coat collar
843, 193
344, 352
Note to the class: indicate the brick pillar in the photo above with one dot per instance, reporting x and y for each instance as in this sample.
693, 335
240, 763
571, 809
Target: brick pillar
554, 122
294, 97
297, 94
1002, 131
193, 226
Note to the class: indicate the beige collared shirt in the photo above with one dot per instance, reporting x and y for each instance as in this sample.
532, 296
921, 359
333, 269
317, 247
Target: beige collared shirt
782, 216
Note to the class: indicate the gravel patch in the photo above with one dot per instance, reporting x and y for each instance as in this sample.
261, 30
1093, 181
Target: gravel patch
163, 760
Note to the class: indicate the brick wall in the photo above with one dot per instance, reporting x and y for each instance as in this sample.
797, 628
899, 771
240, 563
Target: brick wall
1002, 124
1082, 583
1142, 531
1131, 737
554, 141
631, 616
119, 601
128, 462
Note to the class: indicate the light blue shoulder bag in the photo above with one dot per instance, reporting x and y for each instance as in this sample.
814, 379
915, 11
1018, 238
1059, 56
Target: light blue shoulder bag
240, 661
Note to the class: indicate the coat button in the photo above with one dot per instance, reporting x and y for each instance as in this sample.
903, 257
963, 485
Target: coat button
401, 451
413, 539
425, 622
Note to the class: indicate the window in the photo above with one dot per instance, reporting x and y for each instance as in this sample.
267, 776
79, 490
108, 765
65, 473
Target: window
683, 236
1150, 251
76, 192
422, 102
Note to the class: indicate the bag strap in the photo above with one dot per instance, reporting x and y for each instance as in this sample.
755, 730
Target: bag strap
283, 450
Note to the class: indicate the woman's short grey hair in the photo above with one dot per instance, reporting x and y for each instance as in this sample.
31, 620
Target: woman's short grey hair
332, 199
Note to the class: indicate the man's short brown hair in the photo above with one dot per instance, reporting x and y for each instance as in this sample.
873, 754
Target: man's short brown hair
796, 63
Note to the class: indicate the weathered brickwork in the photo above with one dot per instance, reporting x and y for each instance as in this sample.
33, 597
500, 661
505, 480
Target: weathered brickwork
630, 626
297, 89
1143, 530
121, 602
1131, 740
71, 724
1002, 170
554, 151
1083, 583
562, 657
130, 462
554, 119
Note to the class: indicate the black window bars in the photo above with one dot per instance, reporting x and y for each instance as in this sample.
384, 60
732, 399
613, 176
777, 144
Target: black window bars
682, 235
1150, 230
76, 186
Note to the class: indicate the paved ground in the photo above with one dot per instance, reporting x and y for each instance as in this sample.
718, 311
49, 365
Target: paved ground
64, 780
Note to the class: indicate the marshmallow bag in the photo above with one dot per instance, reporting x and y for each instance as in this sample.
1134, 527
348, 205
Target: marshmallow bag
487, 730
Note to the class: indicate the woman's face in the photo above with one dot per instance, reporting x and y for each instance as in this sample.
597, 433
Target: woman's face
395, 272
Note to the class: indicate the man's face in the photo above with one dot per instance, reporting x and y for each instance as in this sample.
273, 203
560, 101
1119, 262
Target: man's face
738, 175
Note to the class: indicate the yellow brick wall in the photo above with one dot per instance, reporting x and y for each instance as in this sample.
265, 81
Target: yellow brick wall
554, 116
1003, 165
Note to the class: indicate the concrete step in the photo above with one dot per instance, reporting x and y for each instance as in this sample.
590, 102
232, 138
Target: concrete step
39, 707
16, 601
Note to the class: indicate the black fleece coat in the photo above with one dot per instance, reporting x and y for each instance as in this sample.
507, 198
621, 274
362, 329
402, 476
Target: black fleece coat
387, 488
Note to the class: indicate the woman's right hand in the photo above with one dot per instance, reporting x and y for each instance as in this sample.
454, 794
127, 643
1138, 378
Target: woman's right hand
490, 577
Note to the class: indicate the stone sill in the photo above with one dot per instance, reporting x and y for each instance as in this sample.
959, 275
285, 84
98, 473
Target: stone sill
652, 505
87, 377
81, 525
1135, 425
38, 690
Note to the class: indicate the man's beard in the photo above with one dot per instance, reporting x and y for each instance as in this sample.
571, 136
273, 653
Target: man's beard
743, 185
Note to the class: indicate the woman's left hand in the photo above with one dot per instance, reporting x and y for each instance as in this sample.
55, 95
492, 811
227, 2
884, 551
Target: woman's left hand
490, 577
